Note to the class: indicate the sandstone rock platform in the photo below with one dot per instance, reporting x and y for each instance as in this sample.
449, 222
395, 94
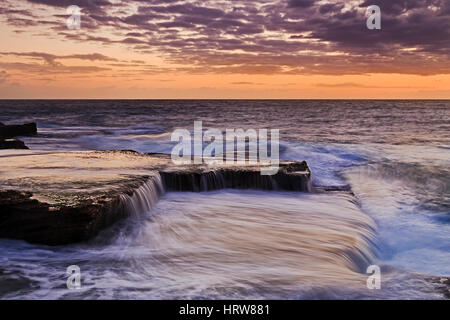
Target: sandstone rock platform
57, 198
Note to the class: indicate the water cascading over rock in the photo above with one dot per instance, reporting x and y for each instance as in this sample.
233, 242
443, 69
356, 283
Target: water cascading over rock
58, 198
290, 177
144, 198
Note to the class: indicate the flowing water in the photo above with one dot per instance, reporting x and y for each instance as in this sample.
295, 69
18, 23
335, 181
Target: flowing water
394, 155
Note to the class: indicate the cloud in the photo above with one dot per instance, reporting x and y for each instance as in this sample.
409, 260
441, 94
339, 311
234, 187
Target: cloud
52, 59
357, 85
51, 64
92, 6
262, 37
247, 83
300, 3
3, 76
34, 68
341, 85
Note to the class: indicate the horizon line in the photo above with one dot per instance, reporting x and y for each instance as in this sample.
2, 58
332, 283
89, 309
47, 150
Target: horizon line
222, 99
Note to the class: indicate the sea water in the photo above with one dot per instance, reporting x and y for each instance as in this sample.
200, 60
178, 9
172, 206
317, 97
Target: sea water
393, 155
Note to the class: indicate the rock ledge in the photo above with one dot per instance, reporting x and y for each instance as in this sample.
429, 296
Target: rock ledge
58, 198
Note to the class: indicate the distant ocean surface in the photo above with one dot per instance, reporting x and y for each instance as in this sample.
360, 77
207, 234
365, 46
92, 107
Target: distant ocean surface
395, 156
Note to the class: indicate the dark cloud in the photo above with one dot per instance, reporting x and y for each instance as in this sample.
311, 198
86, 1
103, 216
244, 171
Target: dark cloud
91, 6
266, 36
301, 3
331, 8
400, 7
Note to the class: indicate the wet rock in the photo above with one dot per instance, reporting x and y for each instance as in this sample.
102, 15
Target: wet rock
248, 178
443, 285
58, 198
24, 218
12, 144
11, 131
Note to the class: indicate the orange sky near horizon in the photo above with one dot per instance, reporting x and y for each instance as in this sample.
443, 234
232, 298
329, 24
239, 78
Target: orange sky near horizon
123, 57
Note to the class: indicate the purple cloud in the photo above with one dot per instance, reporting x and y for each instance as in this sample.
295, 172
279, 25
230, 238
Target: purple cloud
284, 36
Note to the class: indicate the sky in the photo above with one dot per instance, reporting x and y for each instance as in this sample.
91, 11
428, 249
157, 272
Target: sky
214, 49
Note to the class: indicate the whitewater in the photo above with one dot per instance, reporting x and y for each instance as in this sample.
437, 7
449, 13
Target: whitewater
392, 158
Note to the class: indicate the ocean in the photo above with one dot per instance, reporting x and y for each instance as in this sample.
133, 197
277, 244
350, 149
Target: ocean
394, 155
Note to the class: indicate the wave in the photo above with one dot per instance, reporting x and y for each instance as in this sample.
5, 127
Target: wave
411, 205
227, 244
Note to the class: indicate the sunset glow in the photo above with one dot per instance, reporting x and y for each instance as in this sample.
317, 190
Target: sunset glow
224, 49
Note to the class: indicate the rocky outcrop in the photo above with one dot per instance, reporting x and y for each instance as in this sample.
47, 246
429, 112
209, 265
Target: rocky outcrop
10, 131
442, 285
57, 198
292, 176
12, 144
24, 218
